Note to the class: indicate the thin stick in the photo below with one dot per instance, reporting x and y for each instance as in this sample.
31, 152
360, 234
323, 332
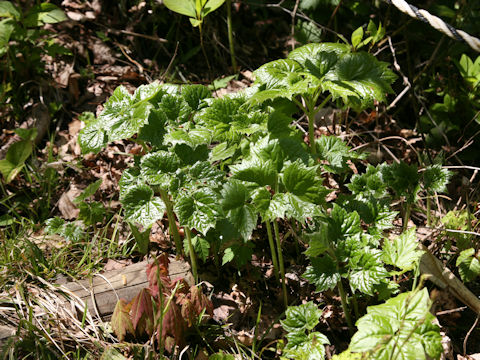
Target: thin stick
294, 13
468, 335
162, 78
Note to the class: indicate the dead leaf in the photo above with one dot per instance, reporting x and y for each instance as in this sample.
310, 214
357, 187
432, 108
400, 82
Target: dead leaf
116, 264
66, 206
222, 313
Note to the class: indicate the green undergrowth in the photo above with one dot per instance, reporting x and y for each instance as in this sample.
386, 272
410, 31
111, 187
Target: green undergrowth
224, 168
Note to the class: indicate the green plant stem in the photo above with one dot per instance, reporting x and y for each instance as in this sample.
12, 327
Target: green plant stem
294, 233
311, 112
346, 311
230, 35
408, 208
429, 206
172, 225
191, 251
355, 305
272, 250
311, 132
280, 260
203, 49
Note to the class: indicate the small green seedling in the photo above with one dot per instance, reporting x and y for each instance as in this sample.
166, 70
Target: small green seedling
303, 343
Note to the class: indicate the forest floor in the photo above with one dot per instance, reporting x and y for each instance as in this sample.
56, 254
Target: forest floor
107, 49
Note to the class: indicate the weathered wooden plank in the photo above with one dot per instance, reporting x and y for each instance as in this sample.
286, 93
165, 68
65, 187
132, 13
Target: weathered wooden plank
105, 289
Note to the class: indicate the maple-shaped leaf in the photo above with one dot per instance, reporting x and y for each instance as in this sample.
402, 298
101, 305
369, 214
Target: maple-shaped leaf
142, 312
194, 304
121, 321
172, 330
156, 271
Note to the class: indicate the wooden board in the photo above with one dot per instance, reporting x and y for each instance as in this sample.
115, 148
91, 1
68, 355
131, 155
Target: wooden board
100, 293
105, 289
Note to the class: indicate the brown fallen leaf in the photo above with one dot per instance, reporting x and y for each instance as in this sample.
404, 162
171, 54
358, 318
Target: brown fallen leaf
116, 264
66, 206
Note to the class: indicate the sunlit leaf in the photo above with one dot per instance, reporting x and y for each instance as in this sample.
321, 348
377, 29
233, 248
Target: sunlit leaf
468, 265
404, 320
198, 210
184, 7
403, 251
141, 206
121, 321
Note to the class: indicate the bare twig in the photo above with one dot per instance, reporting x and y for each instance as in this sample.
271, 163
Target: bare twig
468, 335
406, 82
162, 78
451, 311
294, 13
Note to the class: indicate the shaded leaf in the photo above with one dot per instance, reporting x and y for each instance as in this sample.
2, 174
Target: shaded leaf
141, 237
195, 96
155, 129
200, 245
238, 211
90, 190
322, 273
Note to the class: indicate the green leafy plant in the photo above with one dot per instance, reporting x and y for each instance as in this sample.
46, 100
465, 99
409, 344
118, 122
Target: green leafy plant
22, 43
468, 265
401, 328
17, 154
375, 35
470, 71
197, 10
303, 343
435, 180
91, 212
355, 77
